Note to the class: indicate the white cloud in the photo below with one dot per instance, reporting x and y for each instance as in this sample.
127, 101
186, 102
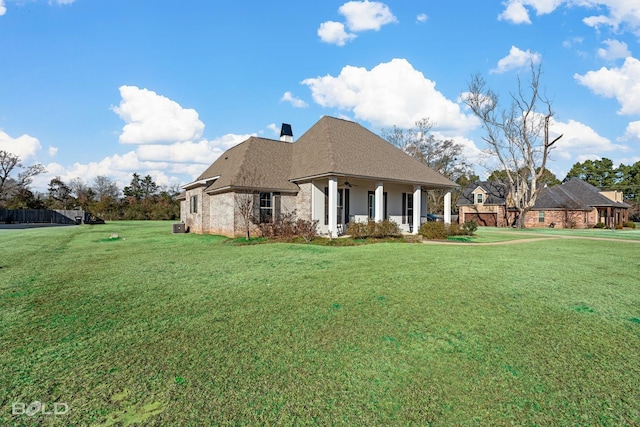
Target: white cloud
622, 13
391, 93
622, 83
61, 1
274, 128
334, 33
296, 102
25, 146
151, 118
52, 151
3, 8
203, 151
366, 15
516, 13
579, 138
516, 59
360, 16
568, 43
614, 50
633, 132
619, 13
422, 17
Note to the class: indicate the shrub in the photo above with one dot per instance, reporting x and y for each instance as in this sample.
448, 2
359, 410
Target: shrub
362, 230
434, 230
630, 224
470, 227
289, 227
306, 229
619, 226
439, 231
599, 225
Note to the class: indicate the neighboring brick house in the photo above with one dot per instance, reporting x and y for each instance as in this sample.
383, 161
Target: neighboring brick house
574, 204
577, 204
337, 172
485, 203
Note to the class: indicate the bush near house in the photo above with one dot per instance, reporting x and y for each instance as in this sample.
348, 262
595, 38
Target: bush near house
363, 230
599, 225
441, 231
630, 224
288, 227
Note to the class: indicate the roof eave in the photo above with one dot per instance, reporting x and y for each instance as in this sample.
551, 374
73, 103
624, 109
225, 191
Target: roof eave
199, 183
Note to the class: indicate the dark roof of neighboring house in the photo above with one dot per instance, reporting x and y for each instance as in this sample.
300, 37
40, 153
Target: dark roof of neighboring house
574, 194
331, 147
496, 193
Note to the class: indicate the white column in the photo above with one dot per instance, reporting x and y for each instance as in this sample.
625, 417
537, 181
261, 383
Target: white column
417, 208
379, 208
447, 208
333, 207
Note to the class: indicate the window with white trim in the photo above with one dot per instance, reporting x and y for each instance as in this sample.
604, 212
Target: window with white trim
193, 204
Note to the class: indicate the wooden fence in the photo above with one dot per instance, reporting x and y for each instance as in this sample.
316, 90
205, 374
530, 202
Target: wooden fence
43, 216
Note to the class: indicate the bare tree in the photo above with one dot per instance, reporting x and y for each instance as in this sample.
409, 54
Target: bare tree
245, 202
8, 185
442, 155
103, 187
518, 136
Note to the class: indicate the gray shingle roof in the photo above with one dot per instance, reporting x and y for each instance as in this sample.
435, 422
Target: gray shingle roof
256, 163
574, 194
341, 147
330, 147
496, 193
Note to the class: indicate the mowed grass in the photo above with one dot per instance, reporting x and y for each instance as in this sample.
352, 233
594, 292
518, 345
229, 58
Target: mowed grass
161, 329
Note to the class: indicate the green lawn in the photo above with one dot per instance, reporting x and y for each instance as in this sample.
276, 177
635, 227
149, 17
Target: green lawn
162, 329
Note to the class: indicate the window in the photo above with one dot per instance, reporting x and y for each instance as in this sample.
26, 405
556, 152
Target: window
371, 205
479, 198
193, 204
407, 208
266, 207
541, 216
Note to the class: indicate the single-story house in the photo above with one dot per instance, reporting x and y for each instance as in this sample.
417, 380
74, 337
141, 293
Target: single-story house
573, 204
337, 172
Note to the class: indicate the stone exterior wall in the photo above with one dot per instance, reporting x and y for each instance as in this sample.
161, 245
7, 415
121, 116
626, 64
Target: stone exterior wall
191, 219
499, 211
303, 201
562, 219
222, 214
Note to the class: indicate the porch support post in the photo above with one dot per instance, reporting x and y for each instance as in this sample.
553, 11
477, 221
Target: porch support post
447, 207
333, 207
417, 208
379, 208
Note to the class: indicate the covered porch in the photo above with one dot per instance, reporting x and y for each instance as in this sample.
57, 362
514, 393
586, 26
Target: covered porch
338, 200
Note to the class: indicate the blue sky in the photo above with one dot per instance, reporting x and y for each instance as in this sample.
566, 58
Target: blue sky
96, 87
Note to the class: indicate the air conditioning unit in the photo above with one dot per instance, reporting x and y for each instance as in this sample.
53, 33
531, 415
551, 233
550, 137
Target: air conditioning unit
179, 228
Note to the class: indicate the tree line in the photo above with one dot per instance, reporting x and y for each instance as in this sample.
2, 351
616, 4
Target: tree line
141, 199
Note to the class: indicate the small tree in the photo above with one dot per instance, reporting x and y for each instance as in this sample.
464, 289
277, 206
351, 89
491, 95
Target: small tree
245, 205
10, 186
518, 136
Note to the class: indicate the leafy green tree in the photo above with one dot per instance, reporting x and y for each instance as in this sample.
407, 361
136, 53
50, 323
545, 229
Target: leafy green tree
59, 195
599, 173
